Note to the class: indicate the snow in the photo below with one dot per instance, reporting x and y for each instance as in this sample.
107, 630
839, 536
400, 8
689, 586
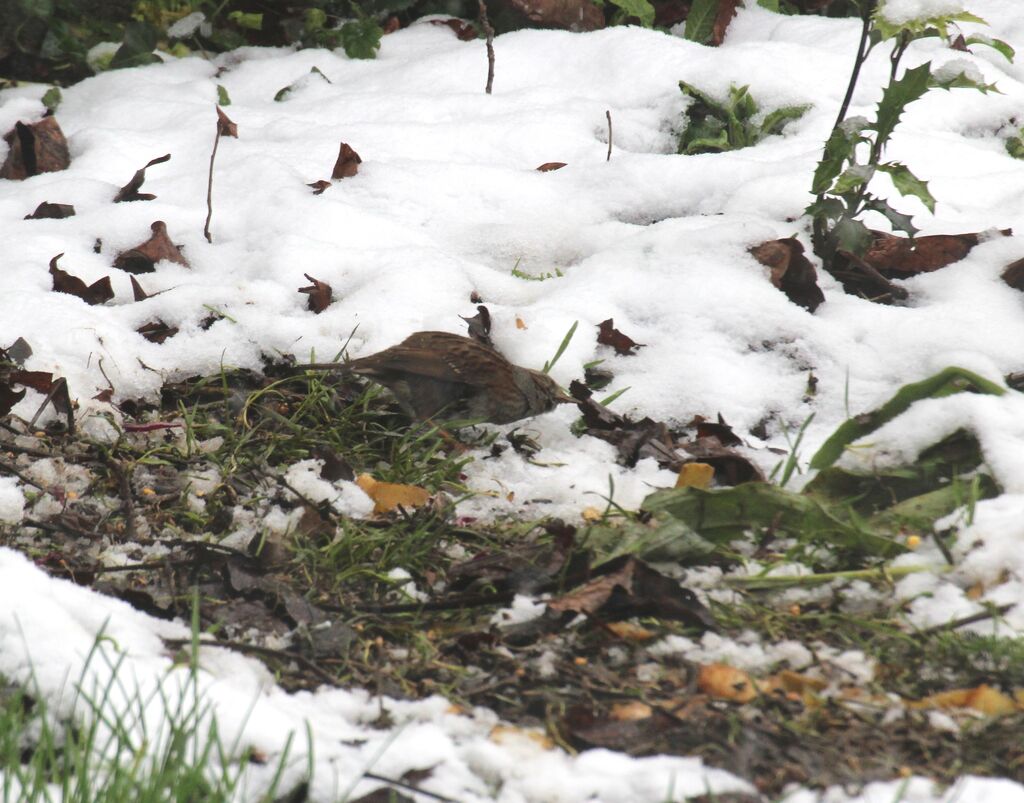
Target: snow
447, 201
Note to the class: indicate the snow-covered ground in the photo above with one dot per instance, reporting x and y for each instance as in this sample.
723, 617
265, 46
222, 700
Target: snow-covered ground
447, 201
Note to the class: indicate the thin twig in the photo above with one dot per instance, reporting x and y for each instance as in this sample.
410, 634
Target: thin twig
489, 33
991, 613
209, 188
608, 114
302, 660
7, 468
470, 601
124, 487
403, 785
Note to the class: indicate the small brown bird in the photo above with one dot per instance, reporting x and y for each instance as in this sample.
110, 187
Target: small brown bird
437, 375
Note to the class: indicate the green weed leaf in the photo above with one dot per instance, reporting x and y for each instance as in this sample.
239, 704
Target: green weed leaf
701, 21
945, 383
361, 38
908, 184
897, 96
897, 220
852, 235
999, 45
641, 9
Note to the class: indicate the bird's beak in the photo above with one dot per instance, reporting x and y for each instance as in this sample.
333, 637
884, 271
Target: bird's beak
565, 398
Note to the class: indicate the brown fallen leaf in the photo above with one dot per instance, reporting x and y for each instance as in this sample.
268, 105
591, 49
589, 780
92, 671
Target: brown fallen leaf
571, 15
716, 429
465, 31
46, 210
547, 167
626, 587
95, 293
348, 162
388, 496
1013, 275
982, 698
726, 11
157, 331
624, 712
608, 335
226, 127
791, 271
901, 256
143, 257
35, 148
137, 292
39, 381
130, 191
320, 294
319, 186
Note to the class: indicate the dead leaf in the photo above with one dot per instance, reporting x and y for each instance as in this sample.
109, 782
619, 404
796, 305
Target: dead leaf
388, 496
520, 323
35, 148
480, 326
226, 127
608, 335
320, 294
571, 15
982, 698
95, 293
1013, 275
46, 210
510, 734
547, 167
626, 712
901, 256
725, 682
157, 331
726, 11
716, 429
791, 271
695, 475
9, 397
626, 587
137, 292
39, 381
130, 191
143, 257
319, 186
347, 164
463, 30
627, 631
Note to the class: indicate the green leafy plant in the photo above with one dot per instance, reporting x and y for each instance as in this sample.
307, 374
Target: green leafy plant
714, 126
641, 10
853, 154
361, 38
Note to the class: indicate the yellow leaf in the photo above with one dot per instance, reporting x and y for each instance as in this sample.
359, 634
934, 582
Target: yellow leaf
591, 514
726, 683
520, 323
695, 475
982, 698
628, 712
508, 734
630, 632
387, 496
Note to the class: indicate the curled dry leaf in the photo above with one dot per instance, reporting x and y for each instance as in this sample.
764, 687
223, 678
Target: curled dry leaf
897, 256
320, 294
348, 162
547, 167
1013, 275
157, 331
463, 30
608, 335
95, 293
143, 257
726, 11
35, 148
47, 210
226, 127
319, 186
137, 292
628, 587
695, 475
130, 191
572, 15
791, 271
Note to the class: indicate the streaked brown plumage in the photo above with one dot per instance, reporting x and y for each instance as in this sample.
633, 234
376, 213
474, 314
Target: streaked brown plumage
441, 376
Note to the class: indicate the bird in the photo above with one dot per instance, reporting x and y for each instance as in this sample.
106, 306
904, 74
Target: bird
447, 377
